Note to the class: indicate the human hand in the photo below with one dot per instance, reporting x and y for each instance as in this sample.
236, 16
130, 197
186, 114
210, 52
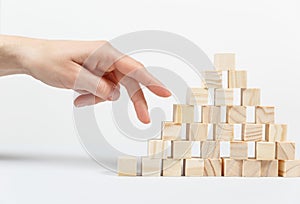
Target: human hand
93, 68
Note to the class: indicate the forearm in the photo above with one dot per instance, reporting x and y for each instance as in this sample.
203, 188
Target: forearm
10, 58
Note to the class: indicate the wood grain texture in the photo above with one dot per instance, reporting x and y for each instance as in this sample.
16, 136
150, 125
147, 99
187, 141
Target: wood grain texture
197, 96
237, 79
285, 150
289, 168
223, 132
269, 168
236, 114
252, 168
210, 149
232, 167
127, 166
183, 113
151, 167
224, 61
252, 132
276, 132
157, 149
250, 97
265, 150
172, 167
212, 79
211, 114
194, 167
196, 131
264, 114
223, 97
212, 167
171, 130
181, 149
238, 150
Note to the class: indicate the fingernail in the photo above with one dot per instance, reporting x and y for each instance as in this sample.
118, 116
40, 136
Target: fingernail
115, 94
82, 103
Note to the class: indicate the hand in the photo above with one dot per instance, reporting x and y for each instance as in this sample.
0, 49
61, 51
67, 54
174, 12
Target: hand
93, 68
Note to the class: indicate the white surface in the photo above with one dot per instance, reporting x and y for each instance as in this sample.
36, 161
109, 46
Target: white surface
41, 160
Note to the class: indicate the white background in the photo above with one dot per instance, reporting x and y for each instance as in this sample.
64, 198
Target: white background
41, 160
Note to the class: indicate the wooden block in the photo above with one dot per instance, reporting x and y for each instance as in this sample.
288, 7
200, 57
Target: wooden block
151, 167
289, 168
224, 61
197, 96
265, 150
196, 131
211, 114
157, 149
223, 97
183, 113
223, 132
285, 150
194, 167
276, 132
181, 149
172, 167
269, 168
236, 114
251, 168
238, 150
232, 167
251, 97
252, 132
212, 167
171, 130
264, 114
127, 166
212, 79
237, 79
210, 149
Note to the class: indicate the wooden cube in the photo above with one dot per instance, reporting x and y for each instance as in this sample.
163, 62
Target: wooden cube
223, 97
251, 97
252, 132
252, 168
223, 132
269, 168
237, 79
127, 166
183, 113
224, 61
265, 150
289, 168
264, 114
151, 167
211, 114
157, 149
197, 96
194, 167
232, 167
212, 79
181, 149
276, 132
172, 167
210, 150
236, 114
285, 150
171, 130
238, 150
196, 131
212, 167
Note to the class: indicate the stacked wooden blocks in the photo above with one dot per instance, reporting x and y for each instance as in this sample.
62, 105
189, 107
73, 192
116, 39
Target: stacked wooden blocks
274, 155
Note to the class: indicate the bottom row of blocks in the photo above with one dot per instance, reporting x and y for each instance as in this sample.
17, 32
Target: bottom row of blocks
127, 166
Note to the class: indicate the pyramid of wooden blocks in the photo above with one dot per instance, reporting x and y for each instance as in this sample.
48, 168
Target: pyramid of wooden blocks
172, 154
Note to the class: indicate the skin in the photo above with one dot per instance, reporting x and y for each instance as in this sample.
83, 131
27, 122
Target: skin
94, 69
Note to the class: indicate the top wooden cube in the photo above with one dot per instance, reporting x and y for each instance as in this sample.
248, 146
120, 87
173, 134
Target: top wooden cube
224, 61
